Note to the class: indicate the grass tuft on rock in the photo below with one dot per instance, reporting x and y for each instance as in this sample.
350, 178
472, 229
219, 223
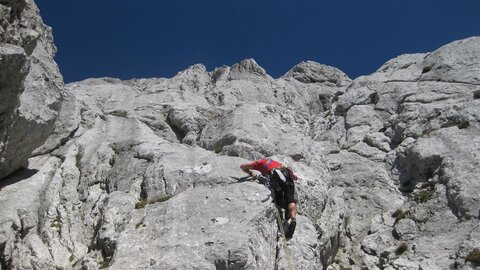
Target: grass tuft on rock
144, 202
78, 159
119, 113
474, 256
139, 224
423, 196
141, 204
103, 264
56, 223
401, 249
400, 214
381, 263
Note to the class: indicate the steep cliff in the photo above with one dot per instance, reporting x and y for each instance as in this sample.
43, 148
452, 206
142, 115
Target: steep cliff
145, 173
30, 83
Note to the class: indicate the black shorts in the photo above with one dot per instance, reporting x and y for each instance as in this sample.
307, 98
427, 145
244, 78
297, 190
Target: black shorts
286, 195
284, 190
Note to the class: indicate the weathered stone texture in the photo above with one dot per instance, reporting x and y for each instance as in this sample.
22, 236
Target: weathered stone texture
145, 173
30, 82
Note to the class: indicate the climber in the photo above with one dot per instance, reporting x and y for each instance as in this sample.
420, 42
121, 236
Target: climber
281, 179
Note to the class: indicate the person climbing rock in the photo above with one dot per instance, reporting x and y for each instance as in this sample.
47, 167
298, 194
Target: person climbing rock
281, 180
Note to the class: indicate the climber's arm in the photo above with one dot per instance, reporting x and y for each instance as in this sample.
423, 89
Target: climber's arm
247, 168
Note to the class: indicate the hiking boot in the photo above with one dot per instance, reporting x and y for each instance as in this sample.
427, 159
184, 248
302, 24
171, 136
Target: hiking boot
291, 229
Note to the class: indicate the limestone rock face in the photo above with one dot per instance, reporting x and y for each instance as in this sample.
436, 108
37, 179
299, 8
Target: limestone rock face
312, 72
30, 83
145, 173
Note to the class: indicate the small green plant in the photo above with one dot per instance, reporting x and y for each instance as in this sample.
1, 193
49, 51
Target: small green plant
56, 223
423, 196
143, 202
103, 264
119, 113
78, 159
400, 214
139, 224
381, 263
474, 256
401, 249
71, 258
165, 198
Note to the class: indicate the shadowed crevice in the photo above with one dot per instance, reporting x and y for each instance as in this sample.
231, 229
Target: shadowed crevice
179, 133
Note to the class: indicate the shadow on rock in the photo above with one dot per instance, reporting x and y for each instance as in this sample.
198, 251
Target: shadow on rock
260, 180
17, 176
242, 179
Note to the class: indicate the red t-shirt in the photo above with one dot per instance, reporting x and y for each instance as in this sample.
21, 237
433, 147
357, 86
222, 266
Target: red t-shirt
259, 165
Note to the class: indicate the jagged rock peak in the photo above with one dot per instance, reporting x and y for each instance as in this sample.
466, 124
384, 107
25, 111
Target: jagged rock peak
194, 77
194, 69
220, 73
247, 69
313, 72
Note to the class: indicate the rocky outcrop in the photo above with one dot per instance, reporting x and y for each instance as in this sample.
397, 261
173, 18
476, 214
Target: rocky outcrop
30, 83
422, 135
145, 173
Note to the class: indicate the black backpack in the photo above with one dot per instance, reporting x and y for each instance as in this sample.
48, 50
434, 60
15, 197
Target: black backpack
282, 176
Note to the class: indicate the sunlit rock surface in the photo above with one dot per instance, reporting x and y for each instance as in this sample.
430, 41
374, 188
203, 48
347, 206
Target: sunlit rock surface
30, 83
144, 174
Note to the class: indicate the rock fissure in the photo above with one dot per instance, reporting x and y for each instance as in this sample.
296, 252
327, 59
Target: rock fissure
179, 133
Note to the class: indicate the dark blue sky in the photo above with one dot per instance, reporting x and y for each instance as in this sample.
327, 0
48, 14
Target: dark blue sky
158, 38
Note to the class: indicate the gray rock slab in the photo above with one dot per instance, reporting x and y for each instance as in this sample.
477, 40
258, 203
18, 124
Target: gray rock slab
406, 67
312, 72
13, 66
267, 129
22, 200
406, 229
363, 115
207, 228
300, 252
454, 62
